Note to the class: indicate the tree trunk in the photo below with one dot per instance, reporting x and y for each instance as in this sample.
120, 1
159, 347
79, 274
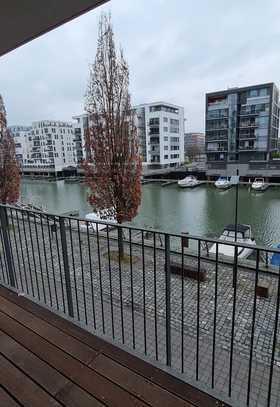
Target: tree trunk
120, 242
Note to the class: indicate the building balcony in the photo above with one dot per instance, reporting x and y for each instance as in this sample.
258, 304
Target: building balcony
247, 126
247, 137
208, 129
216, 118
213, 139
247, 148
104, 302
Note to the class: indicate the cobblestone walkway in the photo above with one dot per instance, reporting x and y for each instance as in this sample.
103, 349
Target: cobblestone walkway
129, 304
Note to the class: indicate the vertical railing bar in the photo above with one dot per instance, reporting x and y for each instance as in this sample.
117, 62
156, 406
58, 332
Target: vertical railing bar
182, 306
132, 289
33, 255
215, 315
82, 271
155, 296
5, 269
198, 311
168, 298
52, 263
110, 281
67, 276
100, 278
274, 342
22, 255
11, 250
253, 328
91, 279
40, 259
46, 261
74, 270
235, 268
144, 292
27, 252
6, 242
17, 252
59, 265
120, 284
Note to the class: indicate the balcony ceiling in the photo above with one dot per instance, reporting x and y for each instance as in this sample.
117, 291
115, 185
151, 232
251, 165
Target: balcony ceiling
23, 20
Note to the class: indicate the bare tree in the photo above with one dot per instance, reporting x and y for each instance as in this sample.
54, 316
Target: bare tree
113, 169
193, 152
9, 168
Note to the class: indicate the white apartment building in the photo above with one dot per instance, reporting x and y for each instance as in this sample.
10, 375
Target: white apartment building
46, 147
160, 128
21, 136
80, 126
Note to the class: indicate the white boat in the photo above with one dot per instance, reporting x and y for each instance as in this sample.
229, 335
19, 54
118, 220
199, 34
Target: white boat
243, 237
189, 182
259, 185
223, 183
94, 218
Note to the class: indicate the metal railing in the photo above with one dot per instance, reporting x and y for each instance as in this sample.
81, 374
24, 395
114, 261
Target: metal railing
168, 297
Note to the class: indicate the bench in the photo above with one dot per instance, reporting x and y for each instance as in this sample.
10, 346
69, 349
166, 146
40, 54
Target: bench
188, 271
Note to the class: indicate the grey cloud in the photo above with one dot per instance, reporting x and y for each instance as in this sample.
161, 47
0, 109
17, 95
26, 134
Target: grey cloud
177, 51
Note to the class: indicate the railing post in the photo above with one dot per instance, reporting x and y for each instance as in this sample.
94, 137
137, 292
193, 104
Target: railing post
66, 267
167, 299
4, 226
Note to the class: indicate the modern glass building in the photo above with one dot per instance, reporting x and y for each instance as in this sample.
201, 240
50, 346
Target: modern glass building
242, 124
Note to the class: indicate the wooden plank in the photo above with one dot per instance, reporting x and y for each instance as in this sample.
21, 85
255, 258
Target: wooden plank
24, 389
6, 400
135, 384
159, 377
74, 396
54, 335
51, 380
92, 382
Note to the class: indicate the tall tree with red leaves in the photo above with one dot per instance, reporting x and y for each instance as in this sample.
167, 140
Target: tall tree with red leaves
113, 167
9, 168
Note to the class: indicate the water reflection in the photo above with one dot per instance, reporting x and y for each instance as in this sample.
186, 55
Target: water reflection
200, 211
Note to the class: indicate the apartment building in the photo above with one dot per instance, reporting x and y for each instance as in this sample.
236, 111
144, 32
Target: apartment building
194, 140
45, 147
22, 141
160, 129
80, 127
241, 127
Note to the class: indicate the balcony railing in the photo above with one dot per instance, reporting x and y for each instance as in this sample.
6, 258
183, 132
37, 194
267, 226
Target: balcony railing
168, 298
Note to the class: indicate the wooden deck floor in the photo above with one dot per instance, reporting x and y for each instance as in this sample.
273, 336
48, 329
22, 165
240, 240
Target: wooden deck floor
47, 361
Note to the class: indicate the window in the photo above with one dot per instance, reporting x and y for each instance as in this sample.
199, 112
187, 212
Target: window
165, 138
165, 129
166, 157
263, 92
154, 121
166, 148
165, 119
253, 93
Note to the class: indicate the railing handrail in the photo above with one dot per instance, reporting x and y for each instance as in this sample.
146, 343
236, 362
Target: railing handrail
154, 231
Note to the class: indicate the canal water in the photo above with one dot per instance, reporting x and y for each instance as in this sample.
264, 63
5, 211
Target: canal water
201, 211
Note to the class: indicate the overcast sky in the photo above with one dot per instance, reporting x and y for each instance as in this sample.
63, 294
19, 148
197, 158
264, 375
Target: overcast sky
177, 51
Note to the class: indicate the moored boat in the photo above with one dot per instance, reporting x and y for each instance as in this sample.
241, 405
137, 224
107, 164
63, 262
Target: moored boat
94, 219
259, 185
189, 182
243, 236
223, 183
